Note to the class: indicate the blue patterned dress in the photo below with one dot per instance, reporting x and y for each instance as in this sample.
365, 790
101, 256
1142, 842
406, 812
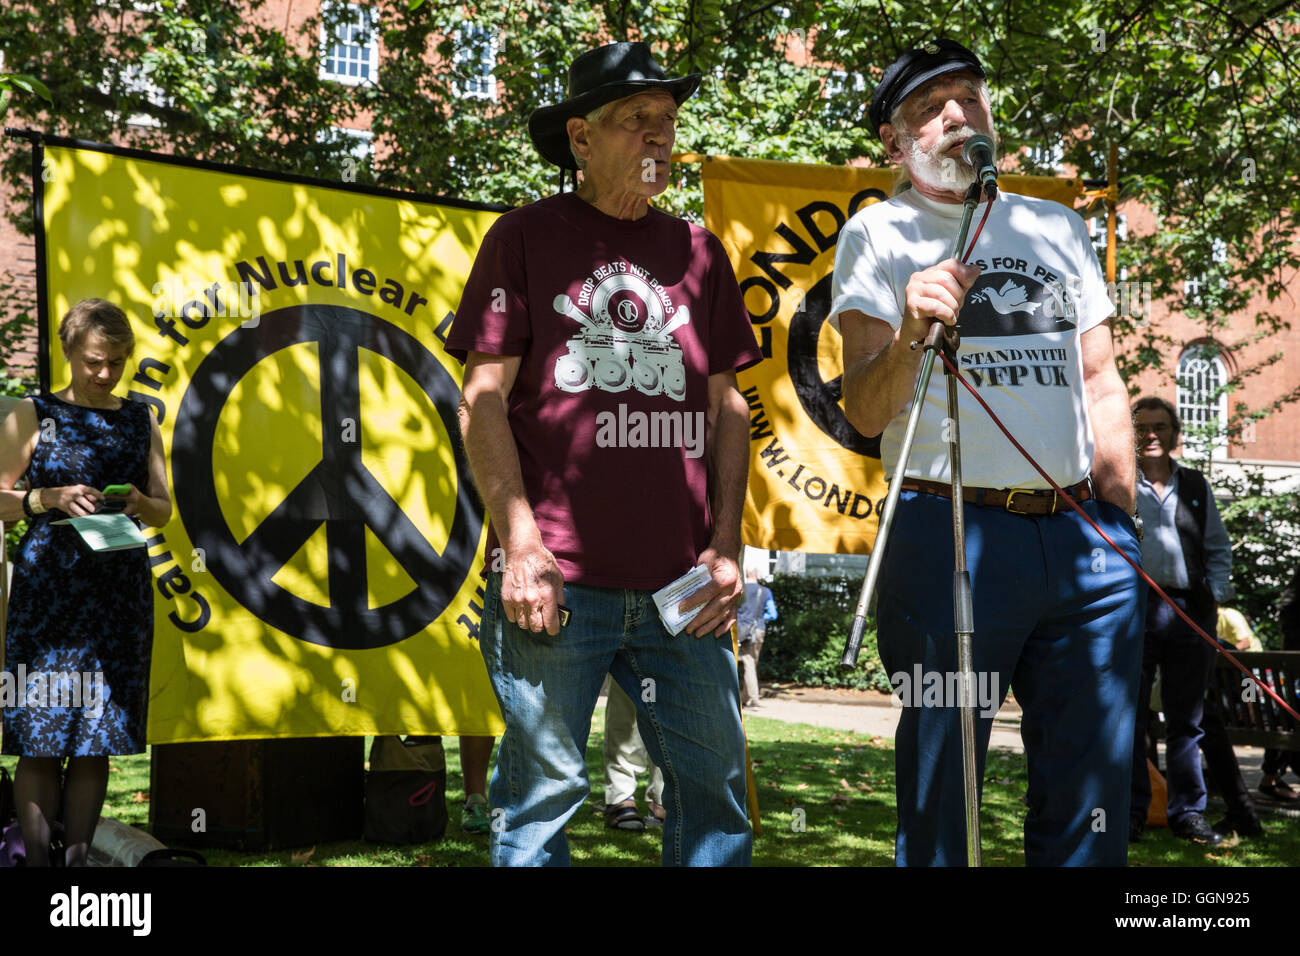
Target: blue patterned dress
72, 611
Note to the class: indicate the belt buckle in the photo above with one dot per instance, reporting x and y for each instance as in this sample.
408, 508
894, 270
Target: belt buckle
1025, 491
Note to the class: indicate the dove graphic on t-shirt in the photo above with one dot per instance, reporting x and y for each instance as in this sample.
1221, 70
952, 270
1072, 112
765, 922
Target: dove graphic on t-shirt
1012, 303
1010, 298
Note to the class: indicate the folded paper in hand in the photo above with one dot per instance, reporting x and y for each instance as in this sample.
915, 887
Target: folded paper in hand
670, 595
107, 532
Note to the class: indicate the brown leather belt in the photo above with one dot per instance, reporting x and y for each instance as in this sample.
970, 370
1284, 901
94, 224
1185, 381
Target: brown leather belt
1018, 501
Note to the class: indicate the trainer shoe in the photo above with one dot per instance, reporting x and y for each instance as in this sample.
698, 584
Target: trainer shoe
474, 816
1192, 827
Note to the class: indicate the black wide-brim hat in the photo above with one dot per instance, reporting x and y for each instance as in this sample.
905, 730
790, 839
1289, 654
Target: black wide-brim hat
912, 69
598, 77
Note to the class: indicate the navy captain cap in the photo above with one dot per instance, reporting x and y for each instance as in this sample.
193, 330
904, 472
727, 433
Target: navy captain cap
915, 67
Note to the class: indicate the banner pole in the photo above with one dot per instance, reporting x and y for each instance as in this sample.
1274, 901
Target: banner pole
751, 785
4, 588
1112, 199
6, 409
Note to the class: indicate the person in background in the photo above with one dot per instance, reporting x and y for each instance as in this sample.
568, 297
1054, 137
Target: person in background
475, 753
1223, 770
751, 626
1185, 550
625, 759
77, 615
1236, 631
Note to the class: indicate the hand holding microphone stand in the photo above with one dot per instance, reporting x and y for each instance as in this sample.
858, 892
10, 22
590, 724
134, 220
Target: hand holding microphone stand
978, 153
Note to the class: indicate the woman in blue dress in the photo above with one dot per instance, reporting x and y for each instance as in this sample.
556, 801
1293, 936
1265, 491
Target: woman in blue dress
79, 632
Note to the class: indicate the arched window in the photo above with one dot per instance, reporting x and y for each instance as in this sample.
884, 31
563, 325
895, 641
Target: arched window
1202, 404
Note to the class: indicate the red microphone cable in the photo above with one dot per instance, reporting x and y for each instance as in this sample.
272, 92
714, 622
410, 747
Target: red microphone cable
980, 228
952, 369
1057, 488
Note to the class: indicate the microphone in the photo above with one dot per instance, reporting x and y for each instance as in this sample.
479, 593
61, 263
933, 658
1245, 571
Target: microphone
978, 152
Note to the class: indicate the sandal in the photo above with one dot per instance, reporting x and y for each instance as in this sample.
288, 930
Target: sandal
654, 817
623, 816
1278, 789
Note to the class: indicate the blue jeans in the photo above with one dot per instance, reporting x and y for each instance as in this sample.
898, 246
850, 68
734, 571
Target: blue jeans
1058, 617
686, 697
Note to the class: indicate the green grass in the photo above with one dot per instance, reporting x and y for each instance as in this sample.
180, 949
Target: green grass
842, 782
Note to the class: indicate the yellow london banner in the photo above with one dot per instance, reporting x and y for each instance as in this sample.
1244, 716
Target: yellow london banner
815, 483
321, 574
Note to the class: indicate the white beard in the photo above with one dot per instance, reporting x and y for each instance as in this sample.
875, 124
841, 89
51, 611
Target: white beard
952, 174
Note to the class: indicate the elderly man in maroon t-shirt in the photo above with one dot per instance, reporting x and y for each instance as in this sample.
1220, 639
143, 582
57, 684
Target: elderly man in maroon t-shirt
609, 443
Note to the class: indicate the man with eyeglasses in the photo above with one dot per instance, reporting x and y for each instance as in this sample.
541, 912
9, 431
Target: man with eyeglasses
1185, 550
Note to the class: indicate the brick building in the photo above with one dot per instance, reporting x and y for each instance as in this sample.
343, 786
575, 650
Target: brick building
1189, 378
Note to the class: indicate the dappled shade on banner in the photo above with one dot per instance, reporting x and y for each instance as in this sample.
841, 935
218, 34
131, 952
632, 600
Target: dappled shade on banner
320, 575
815, 483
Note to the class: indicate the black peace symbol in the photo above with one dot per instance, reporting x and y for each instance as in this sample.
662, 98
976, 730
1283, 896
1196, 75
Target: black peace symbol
821, 399
339, 491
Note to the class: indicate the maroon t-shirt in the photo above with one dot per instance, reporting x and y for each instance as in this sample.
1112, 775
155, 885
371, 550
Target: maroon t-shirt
619, 325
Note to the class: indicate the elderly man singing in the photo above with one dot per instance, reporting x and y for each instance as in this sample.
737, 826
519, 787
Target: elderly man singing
609, 443
1058, 615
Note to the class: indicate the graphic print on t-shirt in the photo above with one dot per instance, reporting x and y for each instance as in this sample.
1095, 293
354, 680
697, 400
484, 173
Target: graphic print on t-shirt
1013, 299
624, 340
1007, 302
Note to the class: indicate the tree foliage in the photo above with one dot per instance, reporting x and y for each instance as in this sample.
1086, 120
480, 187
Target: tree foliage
806, 641
1264, 528
1199, 95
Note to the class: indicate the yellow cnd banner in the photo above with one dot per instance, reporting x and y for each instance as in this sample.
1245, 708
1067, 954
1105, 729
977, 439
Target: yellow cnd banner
815, 484
320, 575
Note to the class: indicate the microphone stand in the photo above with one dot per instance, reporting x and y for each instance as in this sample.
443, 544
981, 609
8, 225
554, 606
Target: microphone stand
939, 337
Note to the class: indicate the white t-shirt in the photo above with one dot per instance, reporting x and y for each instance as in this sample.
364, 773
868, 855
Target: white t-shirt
1039, 290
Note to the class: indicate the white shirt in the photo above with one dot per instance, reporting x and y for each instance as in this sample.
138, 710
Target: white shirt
1040, 289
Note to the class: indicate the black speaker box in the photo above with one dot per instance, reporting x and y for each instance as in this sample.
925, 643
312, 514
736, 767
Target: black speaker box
258, 794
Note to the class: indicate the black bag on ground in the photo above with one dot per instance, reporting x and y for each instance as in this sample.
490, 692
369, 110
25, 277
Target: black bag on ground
173, 856
8, 804
406, 790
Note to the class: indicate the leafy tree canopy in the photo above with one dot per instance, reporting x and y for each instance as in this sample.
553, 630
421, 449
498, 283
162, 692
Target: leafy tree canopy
1199, 95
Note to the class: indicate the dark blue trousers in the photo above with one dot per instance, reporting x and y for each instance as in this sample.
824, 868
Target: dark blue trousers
1185, 660
1058, 618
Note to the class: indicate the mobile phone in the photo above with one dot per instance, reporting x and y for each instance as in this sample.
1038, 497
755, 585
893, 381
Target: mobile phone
114, 500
